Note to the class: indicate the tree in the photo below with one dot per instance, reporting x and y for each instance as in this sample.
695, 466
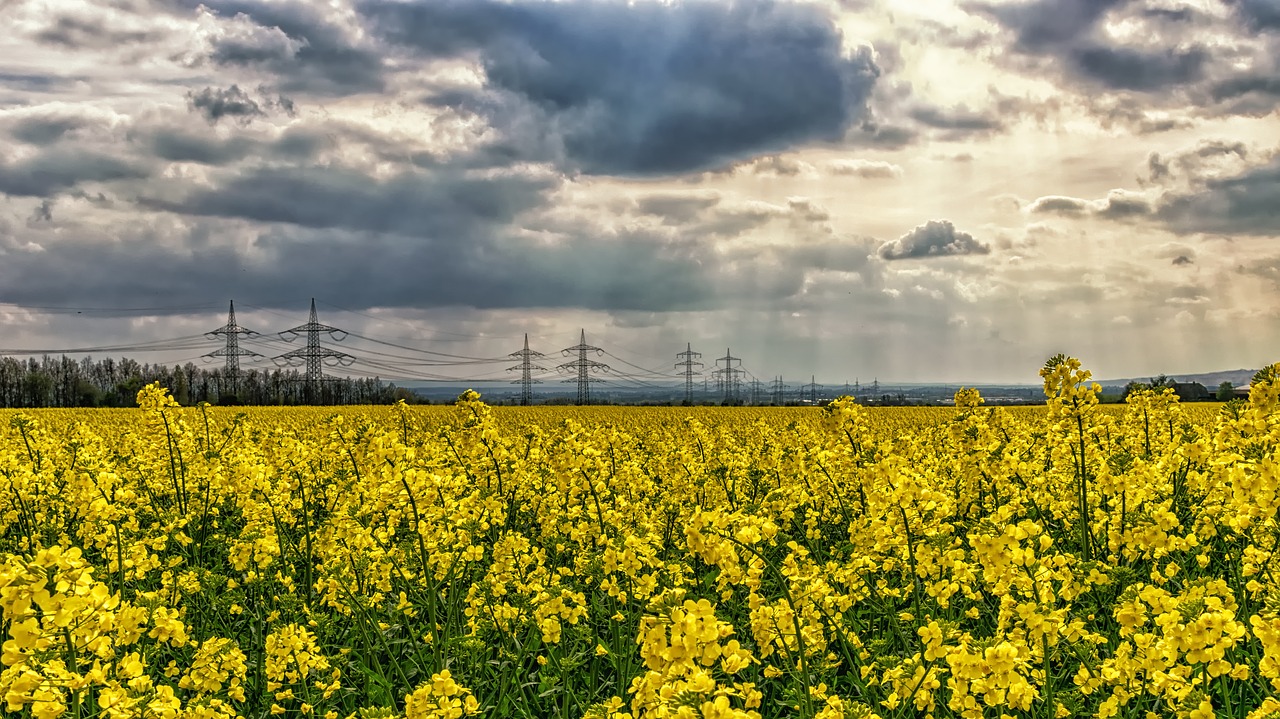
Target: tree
1225, 392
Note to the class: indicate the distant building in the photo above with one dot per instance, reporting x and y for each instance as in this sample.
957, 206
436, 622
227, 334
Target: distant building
1240, 392
1190, 391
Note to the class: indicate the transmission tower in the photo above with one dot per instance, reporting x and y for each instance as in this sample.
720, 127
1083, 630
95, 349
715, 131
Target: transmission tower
526, 367
755, 390
583, 367
729, 376
232, 352
811, 390
688, 360
313, 356
778, 391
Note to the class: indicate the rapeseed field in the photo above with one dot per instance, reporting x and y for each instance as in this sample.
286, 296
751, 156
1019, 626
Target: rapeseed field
1070, 560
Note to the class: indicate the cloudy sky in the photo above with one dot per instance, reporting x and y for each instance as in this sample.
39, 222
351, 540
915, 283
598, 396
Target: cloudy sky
932, 190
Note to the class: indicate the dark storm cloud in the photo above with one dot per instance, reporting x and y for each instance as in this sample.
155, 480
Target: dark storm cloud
1250, 93
936, 238
179, 146
1123, 68
43, 212
1067, 32
958, 119
1258, 14
371, 270
294, 41
649, 88
1121, 205
1175, 15
60, 168
215, 104
586, 266
1247, 203
1049, 23
448, 204
72, 32
45, 130
34, 82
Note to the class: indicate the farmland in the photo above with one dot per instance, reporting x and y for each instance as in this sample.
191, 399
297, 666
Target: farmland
1068, 560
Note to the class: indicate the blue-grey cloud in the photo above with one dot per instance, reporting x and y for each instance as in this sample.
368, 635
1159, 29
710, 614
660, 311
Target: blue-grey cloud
305, 51
936, 238
959, 118
58, 168
215, 104
444, 204
179, 146
69, 31
1246, 203
1261, 15
1118, 205
45, 130
1125, 68
1066, 31
648, 88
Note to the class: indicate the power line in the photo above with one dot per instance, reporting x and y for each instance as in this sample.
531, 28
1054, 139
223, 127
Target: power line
460, 335
176, 344
64, 309
646, 370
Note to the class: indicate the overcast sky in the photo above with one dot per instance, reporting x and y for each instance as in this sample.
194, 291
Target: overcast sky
926, 190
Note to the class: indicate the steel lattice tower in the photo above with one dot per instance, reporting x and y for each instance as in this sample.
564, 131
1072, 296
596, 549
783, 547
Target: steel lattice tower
811, 389
778, 389
313, 356
730, 375
688, 360
583, 367
526, 368
232, 352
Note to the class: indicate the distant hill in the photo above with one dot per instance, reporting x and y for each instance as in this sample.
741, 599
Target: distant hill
1211, 380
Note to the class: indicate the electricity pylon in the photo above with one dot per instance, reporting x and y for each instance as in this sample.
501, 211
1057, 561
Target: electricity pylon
755, 390
583, 367
526, 368
811, 390
778, 391
232, 352
313, 356
688, 360
729, 376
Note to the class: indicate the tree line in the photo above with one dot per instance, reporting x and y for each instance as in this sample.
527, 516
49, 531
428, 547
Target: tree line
66, 382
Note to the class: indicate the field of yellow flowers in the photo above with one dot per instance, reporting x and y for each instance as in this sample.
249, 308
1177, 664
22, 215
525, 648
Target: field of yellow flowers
1074, 560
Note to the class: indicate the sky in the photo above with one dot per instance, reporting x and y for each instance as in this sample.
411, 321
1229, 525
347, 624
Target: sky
924, 191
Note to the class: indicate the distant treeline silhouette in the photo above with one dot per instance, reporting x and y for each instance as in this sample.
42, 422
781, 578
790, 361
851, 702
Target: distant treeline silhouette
66, 382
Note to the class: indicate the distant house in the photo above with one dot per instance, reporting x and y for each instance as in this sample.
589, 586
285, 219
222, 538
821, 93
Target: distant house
1240, 392
1190, 391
